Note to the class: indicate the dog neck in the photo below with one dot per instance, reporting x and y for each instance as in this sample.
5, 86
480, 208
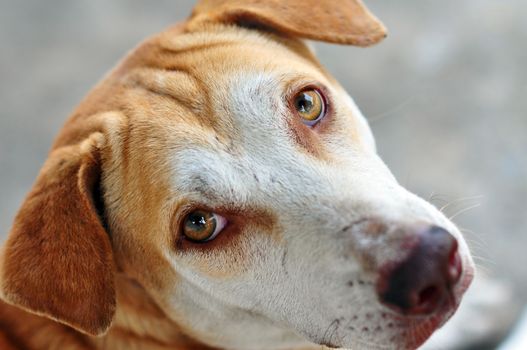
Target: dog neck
140, 322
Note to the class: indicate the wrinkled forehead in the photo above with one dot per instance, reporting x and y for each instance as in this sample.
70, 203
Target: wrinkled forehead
222, 64
222, 101
224, 77
207, 77
227, 48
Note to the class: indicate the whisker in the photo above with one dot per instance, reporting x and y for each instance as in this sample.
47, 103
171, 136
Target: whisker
464, 211
483, 259
393, 110
460, 200
487, 268
482, 268
474, 242
436, 197
473, 236
466, 230
476, 249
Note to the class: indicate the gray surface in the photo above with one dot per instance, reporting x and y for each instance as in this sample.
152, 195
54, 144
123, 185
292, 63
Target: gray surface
446, 93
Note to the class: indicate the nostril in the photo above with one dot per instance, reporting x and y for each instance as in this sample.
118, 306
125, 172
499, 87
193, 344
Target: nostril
428, 300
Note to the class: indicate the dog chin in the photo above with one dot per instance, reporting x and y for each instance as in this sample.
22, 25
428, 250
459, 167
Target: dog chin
408, 334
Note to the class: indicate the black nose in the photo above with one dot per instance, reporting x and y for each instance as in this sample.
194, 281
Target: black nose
420, 284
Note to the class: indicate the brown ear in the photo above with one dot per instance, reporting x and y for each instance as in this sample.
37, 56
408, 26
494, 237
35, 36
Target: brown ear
342, 22
57, 261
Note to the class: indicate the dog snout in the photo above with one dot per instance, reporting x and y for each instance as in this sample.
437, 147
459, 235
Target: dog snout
423, 281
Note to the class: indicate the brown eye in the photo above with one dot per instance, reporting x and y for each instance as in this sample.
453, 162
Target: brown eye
203, 226
310, 105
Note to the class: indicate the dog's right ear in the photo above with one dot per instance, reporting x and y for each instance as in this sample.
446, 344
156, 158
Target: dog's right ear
58, 261
336, 21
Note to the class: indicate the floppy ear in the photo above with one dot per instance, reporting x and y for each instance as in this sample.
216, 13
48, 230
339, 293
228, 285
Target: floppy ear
342, 22
57, 261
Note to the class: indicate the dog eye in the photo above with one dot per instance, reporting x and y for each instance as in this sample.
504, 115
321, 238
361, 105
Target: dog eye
202, 226
310, 106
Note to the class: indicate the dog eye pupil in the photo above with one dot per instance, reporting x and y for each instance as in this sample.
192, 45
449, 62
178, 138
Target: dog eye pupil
304, 103
197, 221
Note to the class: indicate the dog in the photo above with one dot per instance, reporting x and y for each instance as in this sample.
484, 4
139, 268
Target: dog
220, 190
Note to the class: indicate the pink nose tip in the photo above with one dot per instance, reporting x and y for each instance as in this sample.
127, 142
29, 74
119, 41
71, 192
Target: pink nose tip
421, 283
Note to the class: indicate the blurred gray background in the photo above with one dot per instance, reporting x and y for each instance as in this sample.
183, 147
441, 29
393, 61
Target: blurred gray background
446, 95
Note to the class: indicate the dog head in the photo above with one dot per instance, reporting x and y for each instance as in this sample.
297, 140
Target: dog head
222, 168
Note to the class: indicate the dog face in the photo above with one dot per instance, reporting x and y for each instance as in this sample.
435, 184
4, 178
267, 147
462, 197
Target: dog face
240, 186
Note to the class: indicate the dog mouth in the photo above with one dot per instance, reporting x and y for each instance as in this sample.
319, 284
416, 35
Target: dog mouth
388, 329
415, 331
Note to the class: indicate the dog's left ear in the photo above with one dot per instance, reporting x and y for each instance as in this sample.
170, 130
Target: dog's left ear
57, 261
336, 21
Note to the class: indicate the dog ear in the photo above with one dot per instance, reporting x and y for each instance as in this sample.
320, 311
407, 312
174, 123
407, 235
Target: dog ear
342, 22
57, 261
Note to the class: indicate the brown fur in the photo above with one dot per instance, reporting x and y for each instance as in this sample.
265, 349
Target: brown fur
343, 22
58, 259
63, 283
